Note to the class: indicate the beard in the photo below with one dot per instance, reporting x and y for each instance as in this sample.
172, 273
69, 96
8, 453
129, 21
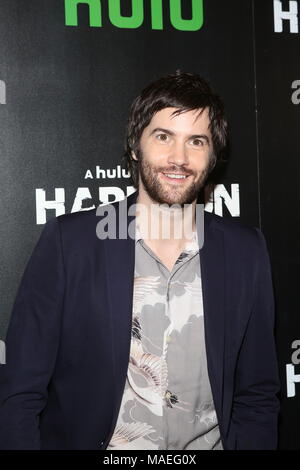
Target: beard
163, 192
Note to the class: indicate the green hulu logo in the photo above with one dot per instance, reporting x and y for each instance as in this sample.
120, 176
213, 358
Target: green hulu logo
137, 17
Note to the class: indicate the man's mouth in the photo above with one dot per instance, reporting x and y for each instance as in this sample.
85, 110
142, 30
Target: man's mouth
176, 177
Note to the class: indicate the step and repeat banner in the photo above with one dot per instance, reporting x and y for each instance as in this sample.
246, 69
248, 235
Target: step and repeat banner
277, 39
69, 71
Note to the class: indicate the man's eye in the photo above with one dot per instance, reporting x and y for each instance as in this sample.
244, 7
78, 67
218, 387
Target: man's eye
198, 142
162, 137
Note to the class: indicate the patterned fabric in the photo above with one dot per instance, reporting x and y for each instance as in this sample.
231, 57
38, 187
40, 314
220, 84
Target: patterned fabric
167, 401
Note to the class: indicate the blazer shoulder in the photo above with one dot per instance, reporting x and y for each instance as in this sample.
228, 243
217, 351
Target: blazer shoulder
76, 227
88, 218
85, 216
235, 230
74, 219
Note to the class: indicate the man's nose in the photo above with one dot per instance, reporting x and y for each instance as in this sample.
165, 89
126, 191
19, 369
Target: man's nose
178, 154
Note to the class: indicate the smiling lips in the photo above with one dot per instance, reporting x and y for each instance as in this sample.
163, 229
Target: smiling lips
175, 177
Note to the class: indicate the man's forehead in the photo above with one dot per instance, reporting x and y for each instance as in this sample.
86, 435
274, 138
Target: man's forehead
195, 117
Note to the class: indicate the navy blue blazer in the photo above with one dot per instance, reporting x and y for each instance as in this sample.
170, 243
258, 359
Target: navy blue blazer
68, 340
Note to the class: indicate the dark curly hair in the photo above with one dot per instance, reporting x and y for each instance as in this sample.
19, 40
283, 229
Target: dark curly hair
184, 91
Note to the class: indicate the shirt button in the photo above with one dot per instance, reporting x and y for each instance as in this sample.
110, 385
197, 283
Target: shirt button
168, 339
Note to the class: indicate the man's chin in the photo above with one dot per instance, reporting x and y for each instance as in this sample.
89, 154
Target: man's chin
172, 200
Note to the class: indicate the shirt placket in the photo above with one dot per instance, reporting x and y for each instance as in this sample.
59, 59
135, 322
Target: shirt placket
169, 276
167, 335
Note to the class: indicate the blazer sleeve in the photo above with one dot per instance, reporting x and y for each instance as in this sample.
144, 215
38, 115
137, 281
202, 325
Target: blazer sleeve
32, 342
255, 405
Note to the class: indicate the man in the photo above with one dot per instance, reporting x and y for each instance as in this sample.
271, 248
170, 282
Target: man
147, 342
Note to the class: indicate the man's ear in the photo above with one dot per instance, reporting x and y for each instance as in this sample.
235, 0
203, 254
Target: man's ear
133, 155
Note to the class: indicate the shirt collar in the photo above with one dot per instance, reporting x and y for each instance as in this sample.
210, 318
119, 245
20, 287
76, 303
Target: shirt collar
190, 246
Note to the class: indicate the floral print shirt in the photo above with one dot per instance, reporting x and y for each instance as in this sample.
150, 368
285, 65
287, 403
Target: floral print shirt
167, 400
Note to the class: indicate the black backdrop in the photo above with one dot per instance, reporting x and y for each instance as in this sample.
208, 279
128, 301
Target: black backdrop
65, 93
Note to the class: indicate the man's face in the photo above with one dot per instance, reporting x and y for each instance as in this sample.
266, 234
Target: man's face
174, 156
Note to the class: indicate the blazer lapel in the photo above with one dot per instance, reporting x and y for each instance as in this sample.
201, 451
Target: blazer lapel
120, 261
213, 290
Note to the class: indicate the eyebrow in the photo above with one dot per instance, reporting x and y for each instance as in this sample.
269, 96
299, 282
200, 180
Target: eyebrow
193, 136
